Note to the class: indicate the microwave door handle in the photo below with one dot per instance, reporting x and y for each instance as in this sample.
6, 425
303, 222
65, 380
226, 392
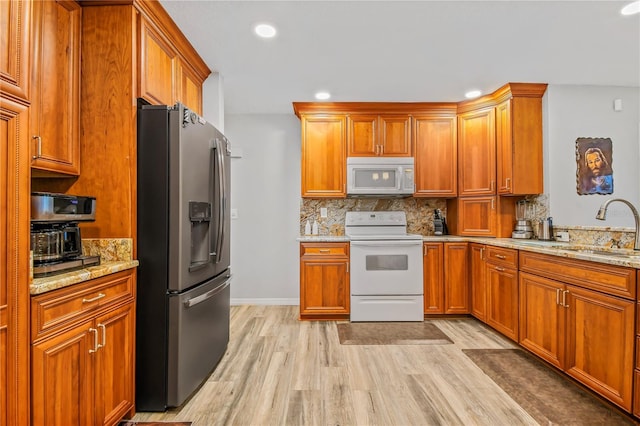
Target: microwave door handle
222, 201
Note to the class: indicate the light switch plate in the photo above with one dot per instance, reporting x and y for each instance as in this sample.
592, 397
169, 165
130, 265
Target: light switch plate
234, 213
323, 212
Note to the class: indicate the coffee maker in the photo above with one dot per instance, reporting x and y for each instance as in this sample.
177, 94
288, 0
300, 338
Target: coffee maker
55, 235
523, 229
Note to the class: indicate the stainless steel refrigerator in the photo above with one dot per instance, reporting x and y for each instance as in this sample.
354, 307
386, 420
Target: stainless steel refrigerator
183, 209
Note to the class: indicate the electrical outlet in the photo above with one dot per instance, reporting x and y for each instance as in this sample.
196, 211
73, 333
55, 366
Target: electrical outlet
323, 212
562, 237
234, 213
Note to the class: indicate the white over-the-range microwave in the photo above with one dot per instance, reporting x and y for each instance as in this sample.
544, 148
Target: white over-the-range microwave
380, 176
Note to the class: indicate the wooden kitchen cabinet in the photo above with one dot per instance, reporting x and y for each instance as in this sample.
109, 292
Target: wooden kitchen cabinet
433, 270
502, 290
324, 281
456, 278
487, 216
519, 139
83, 355
577, 328
157, 65
189, 87
476, 153
323, 156
477, 278
54, 126
14, 43
435, 145
371, 135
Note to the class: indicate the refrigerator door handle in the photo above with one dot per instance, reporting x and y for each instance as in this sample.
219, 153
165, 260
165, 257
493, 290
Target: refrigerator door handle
208, 295
223, 199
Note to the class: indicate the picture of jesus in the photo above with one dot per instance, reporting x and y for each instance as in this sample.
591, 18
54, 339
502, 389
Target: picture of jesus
594, 174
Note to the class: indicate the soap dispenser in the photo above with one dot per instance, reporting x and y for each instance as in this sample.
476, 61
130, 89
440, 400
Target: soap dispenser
315, 228
307, 228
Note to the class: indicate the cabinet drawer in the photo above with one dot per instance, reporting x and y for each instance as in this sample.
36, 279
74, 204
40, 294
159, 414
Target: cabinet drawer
610, 279
59, 308
502, 256
324, 249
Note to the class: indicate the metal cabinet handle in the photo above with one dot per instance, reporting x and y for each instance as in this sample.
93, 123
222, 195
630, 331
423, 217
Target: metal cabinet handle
381, 149
482, 253
95, 340
492, 185
104, 336
325, 251
499, 256
508, 183
347, 267
557, 296
499, 269
38, 147
424, 250
564, 298
493, 204
93, 299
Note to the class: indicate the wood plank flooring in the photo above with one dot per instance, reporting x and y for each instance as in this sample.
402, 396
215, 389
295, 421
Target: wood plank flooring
281, 371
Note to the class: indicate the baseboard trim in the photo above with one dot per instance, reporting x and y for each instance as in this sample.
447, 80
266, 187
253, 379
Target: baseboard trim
265, 301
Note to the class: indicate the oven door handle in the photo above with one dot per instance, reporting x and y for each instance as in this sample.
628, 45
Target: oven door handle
383, 243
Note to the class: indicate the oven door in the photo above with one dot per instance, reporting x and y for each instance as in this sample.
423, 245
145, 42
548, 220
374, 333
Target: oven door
386, 267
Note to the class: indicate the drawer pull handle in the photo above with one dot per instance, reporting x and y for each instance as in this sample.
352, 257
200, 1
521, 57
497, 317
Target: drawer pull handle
95, 341
93, 299
499, 256
104, 336
499, 269
325, 251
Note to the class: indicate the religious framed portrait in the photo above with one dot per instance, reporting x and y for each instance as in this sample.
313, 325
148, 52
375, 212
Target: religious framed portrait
594, 171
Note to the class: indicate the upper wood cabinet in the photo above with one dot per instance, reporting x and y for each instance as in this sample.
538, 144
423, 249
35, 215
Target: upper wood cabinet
323, 156
157, 66
519, 140
15, 47
477, 152
373, 135
189, 87
489, 216
434, 140
55, 88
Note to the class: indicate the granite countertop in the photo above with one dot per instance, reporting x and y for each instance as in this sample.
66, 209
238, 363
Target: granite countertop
53, 282
620, 257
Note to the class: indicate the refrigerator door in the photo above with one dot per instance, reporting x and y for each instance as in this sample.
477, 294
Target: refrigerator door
198, 336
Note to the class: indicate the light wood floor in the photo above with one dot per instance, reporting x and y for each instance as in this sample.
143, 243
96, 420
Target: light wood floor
281, 371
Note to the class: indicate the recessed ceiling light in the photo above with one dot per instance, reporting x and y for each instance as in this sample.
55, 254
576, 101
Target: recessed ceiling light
631, 8
265, 30
472, 94
322, 96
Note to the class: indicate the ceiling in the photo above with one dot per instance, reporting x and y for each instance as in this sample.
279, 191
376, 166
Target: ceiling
406, 51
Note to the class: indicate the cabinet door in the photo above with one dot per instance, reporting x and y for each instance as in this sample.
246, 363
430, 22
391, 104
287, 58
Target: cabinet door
456, 278
502, 300
504, 148
157, 66
542, 318
477, 216
14, 43
62, 378
478, 281
433, 278
600, 340
476, 153
55, 87
189, 88
323, 156
324, 280
114, 377
436, 157
395, 135
363, 136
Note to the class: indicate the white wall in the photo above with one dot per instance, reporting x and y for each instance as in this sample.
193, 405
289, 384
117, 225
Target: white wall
587, 111
265, 190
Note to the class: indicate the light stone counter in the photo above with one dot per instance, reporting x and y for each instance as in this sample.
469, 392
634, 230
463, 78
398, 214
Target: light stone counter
620, 257
44, 284
115, 256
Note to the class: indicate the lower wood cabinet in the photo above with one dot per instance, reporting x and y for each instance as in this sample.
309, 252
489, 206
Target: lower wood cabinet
494, 287
83, 367
433, 275
446, 279
324, 281
588, 334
